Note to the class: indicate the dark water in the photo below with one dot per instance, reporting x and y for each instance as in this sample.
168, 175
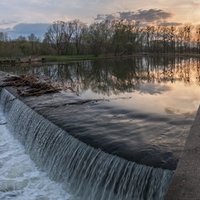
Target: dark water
148, 109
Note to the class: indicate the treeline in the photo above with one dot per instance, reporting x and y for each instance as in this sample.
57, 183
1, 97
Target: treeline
22, 46
117, 37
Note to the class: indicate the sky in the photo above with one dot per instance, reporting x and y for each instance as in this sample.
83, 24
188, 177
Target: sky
23, 17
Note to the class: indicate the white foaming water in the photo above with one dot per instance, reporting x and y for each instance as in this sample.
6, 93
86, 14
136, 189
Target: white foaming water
19, 177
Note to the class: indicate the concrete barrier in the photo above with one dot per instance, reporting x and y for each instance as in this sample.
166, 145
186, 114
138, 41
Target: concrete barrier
185, 184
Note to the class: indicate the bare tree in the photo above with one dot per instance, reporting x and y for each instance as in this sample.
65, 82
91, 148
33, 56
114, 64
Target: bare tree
80, 30
3, 36
33, 40
59, 36
97, 36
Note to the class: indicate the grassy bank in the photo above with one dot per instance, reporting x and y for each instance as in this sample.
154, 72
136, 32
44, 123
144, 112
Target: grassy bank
91, 57
71, 58
50, 58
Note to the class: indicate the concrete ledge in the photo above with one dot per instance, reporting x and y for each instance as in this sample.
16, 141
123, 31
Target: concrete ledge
185, 184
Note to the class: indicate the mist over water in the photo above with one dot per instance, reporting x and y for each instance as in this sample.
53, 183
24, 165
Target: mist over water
20, 179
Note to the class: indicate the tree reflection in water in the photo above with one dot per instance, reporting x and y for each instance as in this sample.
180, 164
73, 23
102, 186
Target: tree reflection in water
114, 76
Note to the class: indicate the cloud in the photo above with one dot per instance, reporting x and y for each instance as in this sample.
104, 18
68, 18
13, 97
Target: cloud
151, 15
26, 29
109, 17
3, 22
100, 17
170, 24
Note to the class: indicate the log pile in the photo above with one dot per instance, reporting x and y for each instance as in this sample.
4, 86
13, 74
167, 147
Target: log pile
29, 85
7, 62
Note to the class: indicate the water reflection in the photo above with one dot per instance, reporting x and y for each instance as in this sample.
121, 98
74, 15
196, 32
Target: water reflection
117, 76
156, 99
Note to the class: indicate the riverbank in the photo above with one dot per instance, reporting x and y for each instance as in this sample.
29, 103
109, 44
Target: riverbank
50, 58
66, 58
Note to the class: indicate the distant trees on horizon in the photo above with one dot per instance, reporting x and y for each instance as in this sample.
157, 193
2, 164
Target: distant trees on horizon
117, 37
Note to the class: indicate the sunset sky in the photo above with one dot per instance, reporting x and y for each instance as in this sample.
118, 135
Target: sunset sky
22, 17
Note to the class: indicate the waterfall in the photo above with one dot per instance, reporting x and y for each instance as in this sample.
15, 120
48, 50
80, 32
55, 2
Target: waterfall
91, 174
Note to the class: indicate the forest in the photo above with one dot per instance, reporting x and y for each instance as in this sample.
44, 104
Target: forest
109, 38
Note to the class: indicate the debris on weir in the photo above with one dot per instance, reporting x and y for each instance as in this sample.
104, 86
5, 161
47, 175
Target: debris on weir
29, 85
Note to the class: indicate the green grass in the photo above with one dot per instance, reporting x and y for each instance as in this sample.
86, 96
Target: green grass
50, 58
91, 57
6, 58
71, 58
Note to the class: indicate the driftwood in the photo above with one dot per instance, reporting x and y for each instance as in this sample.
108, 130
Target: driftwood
30, 85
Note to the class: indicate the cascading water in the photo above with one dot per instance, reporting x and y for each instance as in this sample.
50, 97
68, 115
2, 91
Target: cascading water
19, 177
91, 174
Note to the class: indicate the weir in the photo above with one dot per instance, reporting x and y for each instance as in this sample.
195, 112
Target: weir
90, 173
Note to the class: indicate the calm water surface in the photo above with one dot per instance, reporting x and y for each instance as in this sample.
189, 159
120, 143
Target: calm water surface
151, 103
